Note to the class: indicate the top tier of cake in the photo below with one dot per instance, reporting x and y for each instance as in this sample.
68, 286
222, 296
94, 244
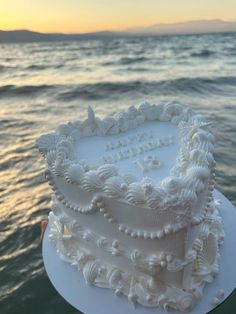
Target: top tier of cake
144, 156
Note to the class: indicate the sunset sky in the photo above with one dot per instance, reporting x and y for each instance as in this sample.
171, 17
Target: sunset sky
79, 16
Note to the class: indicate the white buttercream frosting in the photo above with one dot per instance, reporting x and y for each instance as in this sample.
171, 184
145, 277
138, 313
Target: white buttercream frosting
76, 173
106, 171
115, 186
136, 194
91, 182
128, 186
155, 198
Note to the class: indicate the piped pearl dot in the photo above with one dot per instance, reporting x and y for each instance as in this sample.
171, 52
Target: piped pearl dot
100, 204
115, 244
121, 228
160, 234
127, 231
168, 229
94, 201
163, 264
134, 234
153, 235
139, 234
115, 253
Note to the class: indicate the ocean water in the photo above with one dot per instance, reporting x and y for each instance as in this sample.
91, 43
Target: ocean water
44, 84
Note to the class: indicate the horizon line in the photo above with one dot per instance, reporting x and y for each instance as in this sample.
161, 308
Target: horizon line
119, 30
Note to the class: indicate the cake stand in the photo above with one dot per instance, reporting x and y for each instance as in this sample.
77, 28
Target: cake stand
94, 300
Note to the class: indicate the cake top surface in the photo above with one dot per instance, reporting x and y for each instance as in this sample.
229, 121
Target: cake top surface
149, 150
148, 155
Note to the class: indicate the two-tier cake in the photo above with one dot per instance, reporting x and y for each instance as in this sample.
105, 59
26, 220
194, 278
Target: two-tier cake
133, 208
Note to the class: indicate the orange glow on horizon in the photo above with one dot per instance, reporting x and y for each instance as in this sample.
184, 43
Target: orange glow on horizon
76, 16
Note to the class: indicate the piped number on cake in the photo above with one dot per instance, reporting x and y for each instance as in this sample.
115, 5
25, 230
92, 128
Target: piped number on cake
149, 162
134, 146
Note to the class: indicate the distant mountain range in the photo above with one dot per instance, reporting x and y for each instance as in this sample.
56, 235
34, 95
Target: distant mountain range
30, 36
191, 27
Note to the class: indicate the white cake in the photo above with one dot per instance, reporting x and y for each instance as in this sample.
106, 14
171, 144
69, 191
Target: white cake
133, 208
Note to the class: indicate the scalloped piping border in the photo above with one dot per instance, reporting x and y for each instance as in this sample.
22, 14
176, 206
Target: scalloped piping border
98, 204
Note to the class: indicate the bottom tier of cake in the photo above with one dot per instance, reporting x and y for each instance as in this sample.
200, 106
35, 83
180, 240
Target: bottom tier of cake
70, 241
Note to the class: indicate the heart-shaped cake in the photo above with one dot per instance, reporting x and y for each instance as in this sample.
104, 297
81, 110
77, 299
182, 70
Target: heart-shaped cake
133, 207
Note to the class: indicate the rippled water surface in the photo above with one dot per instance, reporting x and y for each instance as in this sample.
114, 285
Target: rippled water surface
43, 84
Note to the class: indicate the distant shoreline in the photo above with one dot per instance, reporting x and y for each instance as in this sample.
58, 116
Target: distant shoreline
198, 27
34, 37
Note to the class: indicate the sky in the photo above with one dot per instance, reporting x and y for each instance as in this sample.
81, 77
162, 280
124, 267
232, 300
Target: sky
81, 16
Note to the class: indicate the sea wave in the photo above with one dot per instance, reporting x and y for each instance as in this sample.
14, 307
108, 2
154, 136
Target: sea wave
137, 69
200, 86
24, 90
205, 53
36, 67
130, 60
125, 61
4, 68
102, 90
